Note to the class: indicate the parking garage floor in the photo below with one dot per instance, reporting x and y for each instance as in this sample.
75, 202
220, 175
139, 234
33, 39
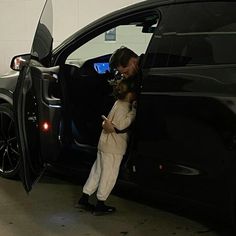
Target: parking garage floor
49, 210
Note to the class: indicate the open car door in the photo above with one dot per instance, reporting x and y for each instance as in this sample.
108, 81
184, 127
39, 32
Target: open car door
37, 111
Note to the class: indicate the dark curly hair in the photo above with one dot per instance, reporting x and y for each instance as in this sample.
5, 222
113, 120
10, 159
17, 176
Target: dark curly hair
124, 86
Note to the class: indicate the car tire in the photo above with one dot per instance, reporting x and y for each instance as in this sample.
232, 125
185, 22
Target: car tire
9, 149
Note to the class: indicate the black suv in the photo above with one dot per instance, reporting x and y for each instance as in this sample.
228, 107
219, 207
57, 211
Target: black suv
184, 137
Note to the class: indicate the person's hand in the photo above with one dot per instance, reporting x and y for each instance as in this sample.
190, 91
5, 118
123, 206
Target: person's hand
107, 125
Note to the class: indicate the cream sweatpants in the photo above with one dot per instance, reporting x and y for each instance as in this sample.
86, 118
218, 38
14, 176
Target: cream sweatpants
103, 175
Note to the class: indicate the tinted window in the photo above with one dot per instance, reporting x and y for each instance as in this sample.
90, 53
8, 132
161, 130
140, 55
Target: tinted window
194, 34
42, 43
129, 35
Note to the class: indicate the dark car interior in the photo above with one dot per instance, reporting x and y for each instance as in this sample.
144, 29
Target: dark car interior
87, 95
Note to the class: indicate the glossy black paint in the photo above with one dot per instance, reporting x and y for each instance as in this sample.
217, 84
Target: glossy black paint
184, 140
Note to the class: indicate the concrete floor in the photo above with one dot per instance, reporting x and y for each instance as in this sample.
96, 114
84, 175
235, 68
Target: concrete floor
49, 210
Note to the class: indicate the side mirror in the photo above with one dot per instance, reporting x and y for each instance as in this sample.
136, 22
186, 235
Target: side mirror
19, 61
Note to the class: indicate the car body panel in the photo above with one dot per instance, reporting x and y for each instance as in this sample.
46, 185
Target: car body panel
191, 140
7, 86
190, 95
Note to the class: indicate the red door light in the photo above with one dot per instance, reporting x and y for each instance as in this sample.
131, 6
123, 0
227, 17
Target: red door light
161, 167
45, 126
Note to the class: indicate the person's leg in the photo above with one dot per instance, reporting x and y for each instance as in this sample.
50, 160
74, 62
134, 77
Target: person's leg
91, 184
83, 202
110, 164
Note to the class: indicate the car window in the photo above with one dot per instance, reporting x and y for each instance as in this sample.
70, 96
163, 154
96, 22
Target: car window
204, 35
106, 43
42, 42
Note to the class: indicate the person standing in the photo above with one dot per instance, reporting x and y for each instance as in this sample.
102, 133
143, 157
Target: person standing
111, 149
127, 63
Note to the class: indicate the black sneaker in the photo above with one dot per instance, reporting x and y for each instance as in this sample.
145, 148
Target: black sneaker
85, 206
103, 210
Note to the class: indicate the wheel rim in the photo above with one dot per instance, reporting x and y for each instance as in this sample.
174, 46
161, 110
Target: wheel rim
9, 150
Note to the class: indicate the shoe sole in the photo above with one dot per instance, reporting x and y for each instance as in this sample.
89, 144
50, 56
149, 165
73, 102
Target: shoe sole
101, 213
85, 208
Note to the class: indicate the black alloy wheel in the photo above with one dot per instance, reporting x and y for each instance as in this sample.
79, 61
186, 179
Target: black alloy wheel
9, 149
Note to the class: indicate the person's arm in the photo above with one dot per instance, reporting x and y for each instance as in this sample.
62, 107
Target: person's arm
109, 127
125, 122
124, 119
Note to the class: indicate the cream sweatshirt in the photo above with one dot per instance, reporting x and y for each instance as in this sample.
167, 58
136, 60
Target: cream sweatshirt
121, 115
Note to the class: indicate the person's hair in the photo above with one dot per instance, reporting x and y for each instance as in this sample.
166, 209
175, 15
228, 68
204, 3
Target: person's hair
121, 57
123, 87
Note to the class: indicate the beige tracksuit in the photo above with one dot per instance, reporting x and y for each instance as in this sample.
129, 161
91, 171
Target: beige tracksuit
111, 148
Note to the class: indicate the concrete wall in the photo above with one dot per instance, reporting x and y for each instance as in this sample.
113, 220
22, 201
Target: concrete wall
19, 18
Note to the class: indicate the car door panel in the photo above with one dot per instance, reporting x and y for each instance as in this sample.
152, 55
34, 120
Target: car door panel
39, 144
189, 139
45, 80
186, 145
